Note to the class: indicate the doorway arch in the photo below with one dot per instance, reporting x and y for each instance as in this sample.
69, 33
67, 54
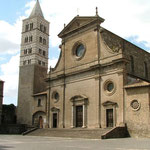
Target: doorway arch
39, 119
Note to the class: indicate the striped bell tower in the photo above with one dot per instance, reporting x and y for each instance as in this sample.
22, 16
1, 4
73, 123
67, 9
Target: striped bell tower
33, 62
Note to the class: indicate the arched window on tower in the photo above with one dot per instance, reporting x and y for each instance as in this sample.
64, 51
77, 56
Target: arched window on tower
145, 70
40, 39
132, 64
44, 41
30, 38
27, 27
31, 26
44, 29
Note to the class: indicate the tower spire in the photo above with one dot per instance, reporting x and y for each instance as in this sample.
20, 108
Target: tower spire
96, 11
37, 11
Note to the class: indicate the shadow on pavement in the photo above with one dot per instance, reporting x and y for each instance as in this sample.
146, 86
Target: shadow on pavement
5, 147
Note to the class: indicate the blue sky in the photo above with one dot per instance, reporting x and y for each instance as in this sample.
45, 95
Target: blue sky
10, 10
129, 19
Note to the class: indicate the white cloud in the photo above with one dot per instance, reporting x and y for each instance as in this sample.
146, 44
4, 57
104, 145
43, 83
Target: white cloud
10, 74
125, 18
8, 46
10, 37
52, 62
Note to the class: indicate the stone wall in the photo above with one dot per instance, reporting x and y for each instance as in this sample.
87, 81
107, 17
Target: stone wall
137, 111
139, 58
31, 81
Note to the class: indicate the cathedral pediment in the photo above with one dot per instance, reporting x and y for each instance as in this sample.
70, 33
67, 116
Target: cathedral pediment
79, 22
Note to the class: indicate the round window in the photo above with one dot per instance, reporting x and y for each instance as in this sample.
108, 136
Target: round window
110, 86
80, 50
135, 105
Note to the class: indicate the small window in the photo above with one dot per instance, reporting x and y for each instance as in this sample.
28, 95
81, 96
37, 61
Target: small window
27, 28
44, 53
41, 27
132, 64
30, 39
29, 61
55, 96
44, 29
39, 102
44, 41
40, 51
31, 26
145, 70
24, 62
43, 63
39, 62
40, 39
110, 86
26, 39
25, 51
29, 50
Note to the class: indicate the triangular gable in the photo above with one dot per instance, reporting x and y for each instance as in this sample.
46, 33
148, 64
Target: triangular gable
78, 98
55, 109
107, 103
79, 22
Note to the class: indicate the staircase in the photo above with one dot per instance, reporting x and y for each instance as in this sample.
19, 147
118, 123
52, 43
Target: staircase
70, 133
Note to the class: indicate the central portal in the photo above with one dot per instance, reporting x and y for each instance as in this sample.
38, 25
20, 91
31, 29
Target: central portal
79, 116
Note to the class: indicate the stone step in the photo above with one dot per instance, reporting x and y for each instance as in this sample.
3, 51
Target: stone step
70, 133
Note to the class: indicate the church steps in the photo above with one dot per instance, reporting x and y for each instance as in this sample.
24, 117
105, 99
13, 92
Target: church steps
70, 133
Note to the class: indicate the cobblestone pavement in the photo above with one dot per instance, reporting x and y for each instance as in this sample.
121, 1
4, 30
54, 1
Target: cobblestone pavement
17, 142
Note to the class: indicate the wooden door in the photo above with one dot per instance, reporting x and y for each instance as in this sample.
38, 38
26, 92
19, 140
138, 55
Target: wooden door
109, 117
55, 120
40, 122
79, 116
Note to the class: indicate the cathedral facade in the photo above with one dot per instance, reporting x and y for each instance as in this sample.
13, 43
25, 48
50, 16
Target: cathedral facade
99, 81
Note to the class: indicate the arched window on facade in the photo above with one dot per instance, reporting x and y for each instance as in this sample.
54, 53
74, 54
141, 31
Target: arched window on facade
132, 64
145, 70
39, 102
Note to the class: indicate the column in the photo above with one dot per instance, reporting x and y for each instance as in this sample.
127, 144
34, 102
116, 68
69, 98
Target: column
72, 121
84, 119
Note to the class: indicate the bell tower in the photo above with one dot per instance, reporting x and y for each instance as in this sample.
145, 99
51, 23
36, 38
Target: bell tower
33, 62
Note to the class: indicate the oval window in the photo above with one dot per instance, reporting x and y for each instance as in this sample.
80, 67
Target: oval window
55, 96
80, 50
110, 86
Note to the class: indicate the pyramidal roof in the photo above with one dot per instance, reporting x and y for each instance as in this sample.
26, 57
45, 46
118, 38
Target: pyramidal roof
37, 11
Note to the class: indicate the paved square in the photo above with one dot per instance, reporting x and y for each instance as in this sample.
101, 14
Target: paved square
18, 142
